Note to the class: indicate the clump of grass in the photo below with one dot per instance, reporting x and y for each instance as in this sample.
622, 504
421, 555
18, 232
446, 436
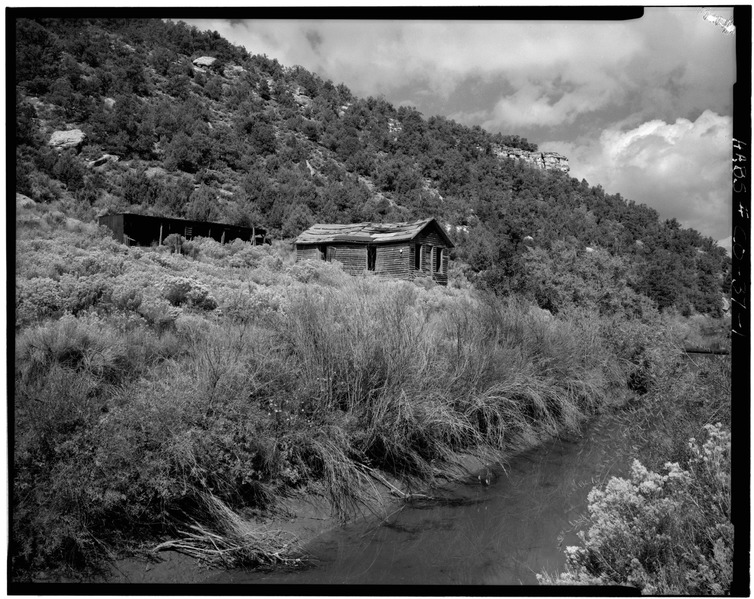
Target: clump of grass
424, 383
327, 460
233, 541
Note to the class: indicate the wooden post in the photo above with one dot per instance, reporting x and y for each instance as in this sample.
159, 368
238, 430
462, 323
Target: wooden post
160, 234
222, 239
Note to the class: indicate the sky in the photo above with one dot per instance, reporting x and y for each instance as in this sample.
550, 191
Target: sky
641, 107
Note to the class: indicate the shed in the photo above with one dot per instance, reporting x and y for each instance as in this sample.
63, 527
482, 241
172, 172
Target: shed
140, 229
401, 250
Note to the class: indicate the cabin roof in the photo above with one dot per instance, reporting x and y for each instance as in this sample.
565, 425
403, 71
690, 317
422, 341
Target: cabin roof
369, 232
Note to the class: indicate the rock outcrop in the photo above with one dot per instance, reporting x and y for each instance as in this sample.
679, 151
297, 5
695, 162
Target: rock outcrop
62, 140
302, 99
204, 61
232, 71
543, 160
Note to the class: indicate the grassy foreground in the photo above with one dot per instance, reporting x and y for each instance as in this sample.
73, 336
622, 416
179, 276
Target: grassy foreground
172, 399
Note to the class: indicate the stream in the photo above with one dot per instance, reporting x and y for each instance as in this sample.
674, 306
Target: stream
501, 534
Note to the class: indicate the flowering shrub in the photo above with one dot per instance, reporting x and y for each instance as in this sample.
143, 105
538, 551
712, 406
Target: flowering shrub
180, 290
257, 301
37, 299
245, 254
43, 297
169, 261
662, 533
81, 293
127, 297
158, 312
326, 273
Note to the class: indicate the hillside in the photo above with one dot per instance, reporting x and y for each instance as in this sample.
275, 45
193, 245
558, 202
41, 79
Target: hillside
178, 122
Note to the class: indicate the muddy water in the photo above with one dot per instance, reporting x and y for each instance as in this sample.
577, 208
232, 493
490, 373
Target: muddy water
500, 534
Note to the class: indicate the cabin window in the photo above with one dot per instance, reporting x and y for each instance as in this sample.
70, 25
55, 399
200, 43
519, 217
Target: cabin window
371, 257
188, 233
417, 257
438, 256
330, 253
322, 249
433, 260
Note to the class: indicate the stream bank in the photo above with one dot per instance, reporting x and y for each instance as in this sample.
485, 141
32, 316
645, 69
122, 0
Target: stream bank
472, 533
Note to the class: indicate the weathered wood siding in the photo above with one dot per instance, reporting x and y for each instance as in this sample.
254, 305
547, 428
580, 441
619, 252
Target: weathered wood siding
115, 223
352, 256
429, 238
307, 252
394, 260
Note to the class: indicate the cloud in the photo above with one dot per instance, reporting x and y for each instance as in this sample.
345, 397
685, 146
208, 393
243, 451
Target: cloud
726, 243
681, 169
671, 63
315, 39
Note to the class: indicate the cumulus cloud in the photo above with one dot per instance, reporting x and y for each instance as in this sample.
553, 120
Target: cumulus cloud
377, 56
681, 169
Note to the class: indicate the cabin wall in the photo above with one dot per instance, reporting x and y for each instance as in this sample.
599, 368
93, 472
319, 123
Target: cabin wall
430, 238
307, 252
352, 256
394, 260
114, 222
144, 231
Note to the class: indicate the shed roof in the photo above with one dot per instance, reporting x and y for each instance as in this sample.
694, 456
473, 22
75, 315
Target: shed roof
369, 232
153, 218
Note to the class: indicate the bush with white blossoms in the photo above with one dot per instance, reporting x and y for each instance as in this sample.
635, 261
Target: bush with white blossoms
662, 533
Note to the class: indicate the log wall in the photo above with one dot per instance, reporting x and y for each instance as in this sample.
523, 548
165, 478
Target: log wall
352, 256
394, 260
307, 252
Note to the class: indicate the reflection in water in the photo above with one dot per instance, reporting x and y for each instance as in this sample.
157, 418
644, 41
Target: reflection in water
500, 534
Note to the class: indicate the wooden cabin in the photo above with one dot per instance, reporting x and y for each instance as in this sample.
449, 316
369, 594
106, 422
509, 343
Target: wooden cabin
143, 230
401, 250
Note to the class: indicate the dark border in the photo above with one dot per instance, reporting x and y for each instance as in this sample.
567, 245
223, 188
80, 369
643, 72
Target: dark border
307, 590
455, 13
741, 264
741, 175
